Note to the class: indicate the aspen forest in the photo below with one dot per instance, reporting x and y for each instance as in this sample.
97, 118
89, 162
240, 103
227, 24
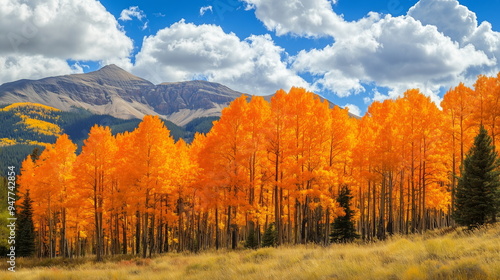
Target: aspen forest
278, 163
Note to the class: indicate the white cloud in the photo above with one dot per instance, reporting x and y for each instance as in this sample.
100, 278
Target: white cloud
353, 109
342, 85
134, 12
460, 24
395, 52
451, 18
78, 30
438, 43
443, 46
34, 67
53, 31
310, 18
185, 51
203, 10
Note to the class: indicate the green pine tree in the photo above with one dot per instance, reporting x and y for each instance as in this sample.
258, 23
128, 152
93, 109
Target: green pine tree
343, 226
26, 232
251, 241
476, 196
269, 238
35, 154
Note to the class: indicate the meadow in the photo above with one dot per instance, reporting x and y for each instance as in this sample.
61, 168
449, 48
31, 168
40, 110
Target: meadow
434, 255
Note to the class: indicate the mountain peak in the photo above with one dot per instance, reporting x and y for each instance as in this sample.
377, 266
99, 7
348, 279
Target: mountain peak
114, 91
111, 67
113, 72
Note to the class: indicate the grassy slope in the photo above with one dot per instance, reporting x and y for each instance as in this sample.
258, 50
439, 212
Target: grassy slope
454, 255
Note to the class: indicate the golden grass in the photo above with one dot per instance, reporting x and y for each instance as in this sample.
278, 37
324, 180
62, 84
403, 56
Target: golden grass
456, 255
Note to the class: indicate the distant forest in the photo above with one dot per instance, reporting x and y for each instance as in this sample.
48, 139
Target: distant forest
76, 124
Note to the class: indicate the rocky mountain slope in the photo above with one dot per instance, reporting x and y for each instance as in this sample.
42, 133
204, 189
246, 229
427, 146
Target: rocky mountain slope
113, 91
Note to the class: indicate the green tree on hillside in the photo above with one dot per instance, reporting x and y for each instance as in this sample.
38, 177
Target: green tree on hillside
476, 197
26, 232
343, 226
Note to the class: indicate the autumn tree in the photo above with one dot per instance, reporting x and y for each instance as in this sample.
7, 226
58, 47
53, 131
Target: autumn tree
27, 181
256, 165
48, 179
153, 158
95, 169
458, 104
223, 164
276, 138
268, 172
477, 195
487, 104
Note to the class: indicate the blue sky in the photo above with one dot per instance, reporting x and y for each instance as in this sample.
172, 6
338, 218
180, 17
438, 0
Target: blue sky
351, 52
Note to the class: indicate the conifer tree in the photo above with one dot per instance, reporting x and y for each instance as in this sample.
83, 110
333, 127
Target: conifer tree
476, 198
269, 238
26, 233
251, 241
343, 226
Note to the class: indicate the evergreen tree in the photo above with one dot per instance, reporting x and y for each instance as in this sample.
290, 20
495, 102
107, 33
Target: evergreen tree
269, 238
476, 197
35, 155
343, 226
251, 242
26, 232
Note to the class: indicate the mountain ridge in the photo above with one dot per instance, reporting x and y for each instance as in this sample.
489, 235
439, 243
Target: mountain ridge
114, 91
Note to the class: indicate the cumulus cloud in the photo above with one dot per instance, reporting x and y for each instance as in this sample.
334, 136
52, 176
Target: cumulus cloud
451, 18
460, 24
396, 52
134, 12
79, 30
312, 18
353, 109
53, 31
35, 67
438, 43
203, 10
185, 51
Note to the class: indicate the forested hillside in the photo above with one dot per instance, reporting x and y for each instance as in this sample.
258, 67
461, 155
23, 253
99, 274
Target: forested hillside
29, 125
274, 167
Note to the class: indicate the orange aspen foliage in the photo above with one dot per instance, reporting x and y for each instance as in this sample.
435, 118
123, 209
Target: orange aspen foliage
278, 162
95, 170
49, 180
487, 103
153, 159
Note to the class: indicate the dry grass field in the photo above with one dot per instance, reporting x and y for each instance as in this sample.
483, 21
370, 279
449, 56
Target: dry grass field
455, 255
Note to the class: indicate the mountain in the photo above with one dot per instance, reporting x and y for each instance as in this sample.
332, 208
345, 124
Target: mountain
36, 112
113, 91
